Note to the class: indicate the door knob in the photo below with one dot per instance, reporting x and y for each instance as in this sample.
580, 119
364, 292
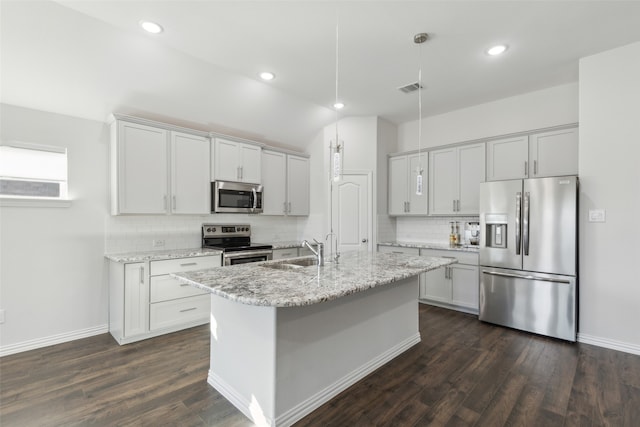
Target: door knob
364, 240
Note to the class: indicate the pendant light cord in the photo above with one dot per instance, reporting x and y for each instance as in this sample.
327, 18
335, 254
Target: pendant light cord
337, 75
419, 109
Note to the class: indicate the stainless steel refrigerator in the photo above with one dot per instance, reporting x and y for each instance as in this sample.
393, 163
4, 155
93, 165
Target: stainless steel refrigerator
528, 255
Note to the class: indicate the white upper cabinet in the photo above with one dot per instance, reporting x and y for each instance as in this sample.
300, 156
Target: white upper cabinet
158, 171
285, 179
455, 175
236, 161
139, 174
274, 182
190, 186
443, 181
553, 153
297, 185
508, 158
403, 171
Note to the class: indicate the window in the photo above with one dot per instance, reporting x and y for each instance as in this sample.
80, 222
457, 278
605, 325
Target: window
31, 171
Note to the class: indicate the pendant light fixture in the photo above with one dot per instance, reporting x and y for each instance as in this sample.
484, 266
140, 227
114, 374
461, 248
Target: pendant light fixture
337, 146
419, 39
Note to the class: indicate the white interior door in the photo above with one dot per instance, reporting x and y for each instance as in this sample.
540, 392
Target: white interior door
352, 212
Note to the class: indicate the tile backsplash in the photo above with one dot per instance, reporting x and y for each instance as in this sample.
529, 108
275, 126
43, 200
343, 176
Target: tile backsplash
428, 229
137, 233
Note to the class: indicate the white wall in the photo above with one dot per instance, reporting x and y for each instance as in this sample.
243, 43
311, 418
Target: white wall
52, 271
610, 179
51, 264
535, 110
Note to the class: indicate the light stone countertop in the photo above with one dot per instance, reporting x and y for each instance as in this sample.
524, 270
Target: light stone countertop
439, 246
161, 255
287, 244
258, 284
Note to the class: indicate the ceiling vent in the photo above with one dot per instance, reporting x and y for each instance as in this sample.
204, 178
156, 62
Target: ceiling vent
410, 88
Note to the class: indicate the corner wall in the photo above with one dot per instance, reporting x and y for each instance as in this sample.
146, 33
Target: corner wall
610, 180
52, 259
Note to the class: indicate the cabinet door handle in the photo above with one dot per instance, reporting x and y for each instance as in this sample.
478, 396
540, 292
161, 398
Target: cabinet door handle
408, 206
164, 203
182, 285
174, 202
526, 168
188, 309
289, 207
187, 264
142, 275
284, 207
454, 205
535, 167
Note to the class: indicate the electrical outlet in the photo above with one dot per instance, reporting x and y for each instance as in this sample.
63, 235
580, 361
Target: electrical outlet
158, 243
597, 215
2, 316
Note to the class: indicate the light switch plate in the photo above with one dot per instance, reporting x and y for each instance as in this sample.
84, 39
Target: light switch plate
597, 215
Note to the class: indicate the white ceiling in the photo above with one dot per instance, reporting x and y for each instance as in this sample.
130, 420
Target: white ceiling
206, 61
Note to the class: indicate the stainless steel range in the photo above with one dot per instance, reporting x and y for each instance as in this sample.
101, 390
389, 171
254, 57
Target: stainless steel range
234, 240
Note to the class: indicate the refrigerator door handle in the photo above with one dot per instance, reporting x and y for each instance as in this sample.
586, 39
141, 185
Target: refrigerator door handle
518, 225
525, 224
527, 277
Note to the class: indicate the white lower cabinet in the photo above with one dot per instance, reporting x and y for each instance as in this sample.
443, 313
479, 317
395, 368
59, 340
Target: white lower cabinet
455, 286
144, 301
136, 297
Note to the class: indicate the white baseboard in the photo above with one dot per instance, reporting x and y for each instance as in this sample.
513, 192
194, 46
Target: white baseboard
52, 340
609, 343
307, 406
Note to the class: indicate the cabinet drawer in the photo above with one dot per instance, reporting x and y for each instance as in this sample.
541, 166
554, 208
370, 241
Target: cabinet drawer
165, 288
285, 253
462, 257
180, 311
399, 250
183, 264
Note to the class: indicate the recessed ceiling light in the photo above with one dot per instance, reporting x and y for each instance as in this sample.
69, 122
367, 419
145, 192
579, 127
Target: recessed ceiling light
496, 50
151, 27
266, 75
338, 105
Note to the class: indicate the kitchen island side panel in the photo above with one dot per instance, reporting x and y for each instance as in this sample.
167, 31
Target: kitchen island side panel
324, 348
279, 364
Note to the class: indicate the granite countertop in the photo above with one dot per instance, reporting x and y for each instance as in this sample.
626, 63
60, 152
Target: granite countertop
287, 244
258, 284
440, 246
161, 255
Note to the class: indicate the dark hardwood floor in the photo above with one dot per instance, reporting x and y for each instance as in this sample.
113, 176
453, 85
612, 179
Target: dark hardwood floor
463, 373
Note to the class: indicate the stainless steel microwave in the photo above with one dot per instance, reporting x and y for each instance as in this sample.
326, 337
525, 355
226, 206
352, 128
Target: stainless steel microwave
236, 197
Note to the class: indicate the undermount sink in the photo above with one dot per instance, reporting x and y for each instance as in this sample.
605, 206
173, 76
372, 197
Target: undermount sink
292, 264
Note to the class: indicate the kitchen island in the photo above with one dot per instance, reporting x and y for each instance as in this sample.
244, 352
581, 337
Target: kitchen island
286, 338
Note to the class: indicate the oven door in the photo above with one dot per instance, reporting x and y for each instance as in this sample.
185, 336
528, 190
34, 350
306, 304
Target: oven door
244, 257
236, 197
